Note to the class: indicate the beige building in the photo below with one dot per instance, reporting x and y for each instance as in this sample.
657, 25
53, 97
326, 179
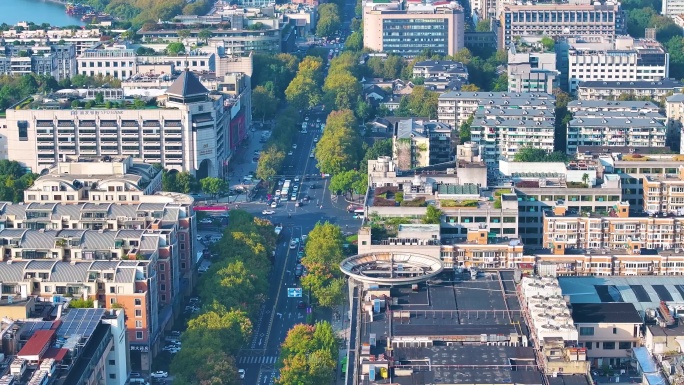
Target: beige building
664, 193
608, 331
610, 262
402, 32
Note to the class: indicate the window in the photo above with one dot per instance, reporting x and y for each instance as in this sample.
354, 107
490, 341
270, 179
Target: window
624, 345
138, 335
48, 289
32, 197
138, 313
588, 345
112, 362
162, 267
22, 125
614, 330
608, 345
112, 376
138, 302
163, 287
138, 324
183, 265
162, 276
163, 298
586, 331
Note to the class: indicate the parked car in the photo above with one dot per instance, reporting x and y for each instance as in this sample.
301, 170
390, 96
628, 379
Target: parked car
301, 305
293, 245
299, 270
159, 374
241, 373
268, 212
274, 204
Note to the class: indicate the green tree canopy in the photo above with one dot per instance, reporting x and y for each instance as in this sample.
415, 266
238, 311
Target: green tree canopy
338, 148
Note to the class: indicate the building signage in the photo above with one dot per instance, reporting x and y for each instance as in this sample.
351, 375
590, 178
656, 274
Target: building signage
96, 112
140, 348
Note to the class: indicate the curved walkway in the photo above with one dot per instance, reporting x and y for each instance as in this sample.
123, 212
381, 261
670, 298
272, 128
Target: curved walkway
391, 268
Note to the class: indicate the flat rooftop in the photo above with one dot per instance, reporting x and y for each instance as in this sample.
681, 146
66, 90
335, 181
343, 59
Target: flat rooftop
468, 365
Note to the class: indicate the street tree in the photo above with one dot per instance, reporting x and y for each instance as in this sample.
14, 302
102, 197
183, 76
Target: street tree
213, 186
270, 161
338, 148
432, 216
175, 48
264, 103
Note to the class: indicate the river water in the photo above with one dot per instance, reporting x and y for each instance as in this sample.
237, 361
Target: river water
37, 11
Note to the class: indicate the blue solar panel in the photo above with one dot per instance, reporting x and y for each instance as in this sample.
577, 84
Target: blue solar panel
80, 322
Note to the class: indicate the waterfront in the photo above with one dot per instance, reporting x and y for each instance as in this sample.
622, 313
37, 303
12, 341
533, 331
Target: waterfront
37, 11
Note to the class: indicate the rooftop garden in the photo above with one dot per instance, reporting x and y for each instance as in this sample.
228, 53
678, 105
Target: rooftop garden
497, 196
391, 197
455, 203
635, 158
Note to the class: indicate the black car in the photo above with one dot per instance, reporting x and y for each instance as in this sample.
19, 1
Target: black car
313, 186
299, 270
301, 305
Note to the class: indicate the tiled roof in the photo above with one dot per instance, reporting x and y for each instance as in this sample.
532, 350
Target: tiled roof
12, 272
104, 265
187, 85
149, 242
68, 272
39, 239
151, 206
93, 240
37, 265
125, 275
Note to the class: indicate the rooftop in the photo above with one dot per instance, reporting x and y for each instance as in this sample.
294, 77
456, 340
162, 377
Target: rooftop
635, 121
644, 292
639, 84
622, 104
605, 313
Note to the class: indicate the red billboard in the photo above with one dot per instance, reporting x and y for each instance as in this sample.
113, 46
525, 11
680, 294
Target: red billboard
211, 208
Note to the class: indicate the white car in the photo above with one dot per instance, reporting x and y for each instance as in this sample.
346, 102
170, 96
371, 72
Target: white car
199, 238
268, 212
293, 197
293, 244
306, 119
296, 179
289, 153
294, 146
316, 140
311, 155
318, 120
277, 192
241, 373
304, 237
159, 374
274, 204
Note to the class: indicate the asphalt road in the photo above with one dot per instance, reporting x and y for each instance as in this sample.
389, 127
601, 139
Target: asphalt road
280, 313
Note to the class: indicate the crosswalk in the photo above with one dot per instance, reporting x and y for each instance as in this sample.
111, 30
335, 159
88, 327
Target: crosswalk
258, 359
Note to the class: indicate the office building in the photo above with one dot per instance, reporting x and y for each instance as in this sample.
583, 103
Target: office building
560, 20
531, 66
409, 32
56, 60
454, 108
611, 90
620, 59
80, 38
417, 143
186, 131
674, 110
632, 130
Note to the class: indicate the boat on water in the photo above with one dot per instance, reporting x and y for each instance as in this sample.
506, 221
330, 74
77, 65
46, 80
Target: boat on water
73, 9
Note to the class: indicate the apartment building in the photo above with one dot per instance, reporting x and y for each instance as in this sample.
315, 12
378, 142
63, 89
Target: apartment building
96, 180
418, 143
615, 229
188, 131
476, 248
664, 193
674, 110
409, 32
440, 69
610, 262
541, 187
611, 90
502, 137
56, 60
454, 108
81, 39
619, 59
531, 66
608, 331
632, 130
672, 8
608, 106
560, 20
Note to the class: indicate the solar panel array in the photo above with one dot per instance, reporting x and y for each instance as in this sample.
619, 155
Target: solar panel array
31, 327
80, 322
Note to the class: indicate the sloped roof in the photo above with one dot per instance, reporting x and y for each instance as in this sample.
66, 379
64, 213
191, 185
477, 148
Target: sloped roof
187, 85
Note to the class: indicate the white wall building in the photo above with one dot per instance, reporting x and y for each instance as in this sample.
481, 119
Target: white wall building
632, 131
531, 67
188, 132
622, 59
672, 8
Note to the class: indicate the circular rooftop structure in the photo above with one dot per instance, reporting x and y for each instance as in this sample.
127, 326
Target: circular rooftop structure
391, 268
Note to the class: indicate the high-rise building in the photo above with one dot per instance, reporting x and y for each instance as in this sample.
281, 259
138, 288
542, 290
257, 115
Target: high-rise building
672, 8
411, 31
